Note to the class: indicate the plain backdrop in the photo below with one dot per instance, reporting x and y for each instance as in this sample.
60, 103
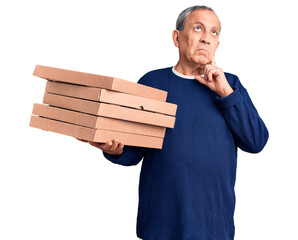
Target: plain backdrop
55, 187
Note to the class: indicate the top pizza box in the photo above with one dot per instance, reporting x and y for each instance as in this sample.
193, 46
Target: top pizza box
93, 80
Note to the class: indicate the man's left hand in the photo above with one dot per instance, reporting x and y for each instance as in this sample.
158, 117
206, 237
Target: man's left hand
215, 79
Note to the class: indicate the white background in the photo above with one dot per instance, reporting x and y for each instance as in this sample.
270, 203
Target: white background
55, 187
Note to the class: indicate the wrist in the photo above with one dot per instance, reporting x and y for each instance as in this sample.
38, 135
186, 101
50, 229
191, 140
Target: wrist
225, 92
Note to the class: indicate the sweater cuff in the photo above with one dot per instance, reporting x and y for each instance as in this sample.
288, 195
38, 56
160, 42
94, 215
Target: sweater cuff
111, 157
230, 100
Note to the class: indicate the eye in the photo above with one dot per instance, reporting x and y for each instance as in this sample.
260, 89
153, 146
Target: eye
198, 28
214, 33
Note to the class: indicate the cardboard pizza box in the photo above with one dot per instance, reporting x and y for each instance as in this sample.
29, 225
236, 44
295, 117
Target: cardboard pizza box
93, 80
108, 96
109, 110
97, 122
95, 135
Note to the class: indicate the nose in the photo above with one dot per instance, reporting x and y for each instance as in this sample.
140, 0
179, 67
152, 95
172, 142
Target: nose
205, 39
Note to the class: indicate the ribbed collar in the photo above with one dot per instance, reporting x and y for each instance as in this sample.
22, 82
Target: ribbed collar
181, 75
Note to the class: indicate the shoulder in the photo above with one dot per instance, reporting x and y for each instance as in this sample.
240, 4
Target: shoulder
234, 81
153, 77
232, 78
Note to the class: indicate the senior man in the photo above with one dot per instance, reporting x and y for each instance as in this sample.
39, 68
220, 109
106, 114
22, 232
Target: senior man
186, 189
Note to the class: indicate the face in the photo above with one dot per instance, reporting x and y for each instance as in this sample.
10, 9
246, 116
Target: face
198, 41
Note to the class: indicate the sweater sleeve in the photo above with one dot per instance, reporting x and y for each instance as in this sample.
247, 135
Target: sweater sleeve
248, 129
131, 156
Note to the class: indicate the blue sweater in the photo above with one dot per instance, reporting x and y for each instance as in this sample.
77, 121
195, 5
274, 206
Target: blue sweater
186, 189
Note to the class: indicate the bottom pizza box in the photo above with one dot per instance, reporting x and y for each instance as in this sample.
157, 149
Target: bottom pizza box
95, 135
98, 122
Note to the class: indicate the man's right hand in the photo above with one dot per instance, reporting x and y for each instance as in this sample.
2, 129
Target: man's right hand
113, 147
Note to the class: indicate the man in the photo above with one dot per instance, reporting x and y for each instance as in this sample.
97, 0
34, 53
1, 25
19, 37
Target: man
186, 189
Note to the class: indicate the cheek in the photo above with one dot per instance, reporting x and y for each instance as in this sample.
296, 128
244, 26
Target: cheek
186, 46
193, 45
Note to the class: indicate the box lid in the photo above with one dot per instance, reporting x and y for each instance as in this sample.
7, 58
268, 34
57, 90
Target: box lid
93, 80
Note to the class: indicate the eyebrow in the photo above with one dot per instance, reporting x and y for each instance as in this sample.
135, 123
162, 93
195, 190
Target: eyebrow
197, 23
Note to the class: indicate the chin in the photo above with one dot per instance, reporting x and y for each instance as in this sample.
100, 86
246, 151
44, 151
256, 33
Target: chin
202, 60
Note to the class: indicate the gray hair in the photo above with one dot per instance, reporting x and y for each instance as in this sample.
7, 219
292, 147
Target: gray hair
180, 23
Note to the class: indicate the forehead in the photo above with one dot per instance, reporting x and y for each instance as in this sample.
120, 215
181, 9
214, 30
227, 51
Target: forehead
206, 17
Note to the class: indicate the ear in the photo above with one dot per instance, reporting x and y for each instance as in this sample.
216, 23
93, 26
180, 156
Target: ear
176, 37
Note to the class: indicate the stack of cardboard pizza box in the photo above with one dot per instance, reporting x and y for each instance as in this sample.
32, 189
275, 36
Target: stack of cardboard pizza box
99, 108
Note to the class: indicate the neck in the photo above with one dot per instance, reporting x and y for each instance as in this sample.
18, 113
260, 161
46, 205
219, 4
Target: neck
189, 69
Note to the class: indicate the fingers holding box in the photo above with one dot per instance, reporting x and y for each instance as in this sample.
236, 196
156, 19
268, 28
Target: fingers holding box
113, 147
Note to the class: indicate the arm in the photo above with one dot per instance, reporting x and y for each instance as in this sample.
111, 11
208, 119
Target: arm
249, 130
116, 152
130, 156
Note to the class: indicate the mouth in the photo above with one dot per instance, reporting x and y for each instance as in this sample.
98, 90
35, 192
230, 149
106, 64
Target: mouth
202, 49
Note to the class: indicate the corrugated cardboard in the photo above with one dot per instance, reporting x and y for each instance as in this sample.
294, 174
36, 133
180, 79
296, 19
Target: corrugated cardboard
97, 122
94, 80
107, 96
95, 135
109, 110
